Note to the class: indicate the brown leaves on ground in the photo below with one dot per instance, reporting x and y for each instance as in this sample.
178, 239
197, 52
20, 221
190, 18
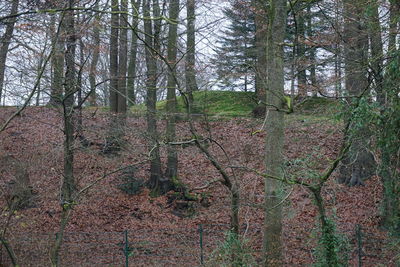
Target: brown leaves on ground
36, 139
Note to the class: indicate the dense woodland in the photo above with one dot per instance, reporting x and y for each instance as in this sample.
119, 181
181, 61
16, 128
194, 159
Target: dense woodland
275, 122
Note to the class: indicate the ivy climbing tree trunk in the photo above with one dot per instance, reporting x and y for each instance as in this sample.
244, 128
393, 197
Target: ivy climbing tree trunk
272, 244
359, 164
387, 96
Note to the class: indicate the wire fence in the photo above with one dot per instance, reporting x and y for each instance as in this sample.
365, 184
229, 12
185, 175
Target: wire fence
171, 247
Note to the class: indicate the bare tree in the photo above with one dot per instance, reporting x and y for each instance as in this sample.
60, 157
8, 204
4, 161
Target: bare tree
5, 42
272, 244
152, 44
131, 92
191, 84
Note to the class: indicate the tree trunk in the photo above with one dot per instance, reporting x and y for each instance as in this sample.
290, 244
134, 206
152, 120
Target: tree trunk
338, 53
114, 56
387, 95
312, 51
133, 54
95, 59
57, 61
79, 118
5, 42
151, 98
272, 244
191, 84
123, 58
359, 164
261, 22
172, 163
301, 56
69, 186
393, 24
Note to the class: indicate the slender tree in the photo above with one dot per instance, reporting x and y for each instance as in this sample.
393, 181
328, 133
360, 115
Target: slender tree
68, 189
172, 163
272, 244
123, 57
387, 87
95, 59
301, 53
152, 46
114, 56
5, 42
133, 53
261, 23
57, 60
190, 59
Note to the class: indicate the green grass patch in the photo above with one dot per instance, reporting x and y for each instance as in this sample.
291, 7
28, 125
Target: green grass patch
218, 103
241, 104
319, 105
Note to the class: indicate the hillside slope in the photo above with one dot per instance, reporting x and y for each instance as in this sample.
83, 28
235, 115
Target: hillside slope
163, 228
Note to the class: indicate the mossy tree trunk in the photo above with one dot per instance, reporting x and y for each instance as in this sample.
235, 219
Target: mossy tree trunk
359, 164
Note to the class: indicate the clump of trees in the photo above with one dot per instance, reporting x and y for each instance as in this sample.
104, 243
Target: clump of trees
122, 53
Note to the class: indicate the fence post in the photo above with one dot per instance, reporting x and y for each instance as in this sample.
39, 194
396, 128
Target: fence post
126, 248
359, 244
201, 244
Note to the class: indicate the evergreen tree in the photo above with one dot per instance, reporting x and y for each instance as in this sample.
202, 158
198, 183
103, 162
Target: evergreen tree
236, 55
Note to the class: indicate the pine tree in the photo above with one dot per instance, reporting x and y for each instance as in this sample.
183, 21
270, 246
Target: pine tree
236, 55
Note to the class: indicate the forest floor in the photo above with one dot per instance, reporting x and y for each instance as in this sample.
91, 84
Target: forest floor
163, 231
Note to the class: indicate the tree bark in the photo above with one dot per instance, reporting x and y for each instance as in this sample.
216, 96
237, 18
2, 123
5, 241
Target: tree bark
123, 58
57, 61
272, 244
95, 59
5, 42
359, 164
261, 21
114, 56
69, 185
151, 98
172, 162
190, 60
312, 51
133, 54
301, 56
393, 24
387, 94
